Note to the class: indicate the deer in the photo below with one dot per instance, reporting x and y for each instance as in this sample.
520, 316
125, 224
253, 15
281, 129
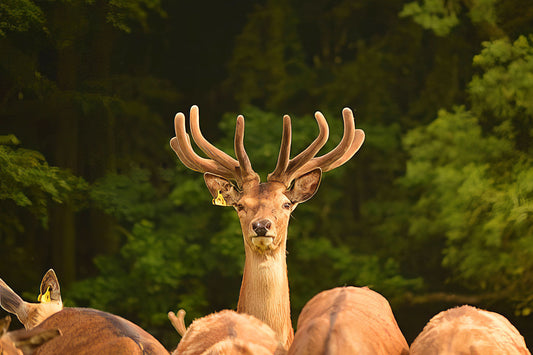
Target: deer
83, 330
264, 208
230, 333
22, 342
348, 320
469, 330
32, 314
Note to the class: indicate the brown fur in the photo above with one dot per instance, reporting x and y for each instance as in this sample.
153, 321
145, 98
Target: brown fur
84, 330
265, 287
229, 333
348, 320
469, 330
88, 331
23, 341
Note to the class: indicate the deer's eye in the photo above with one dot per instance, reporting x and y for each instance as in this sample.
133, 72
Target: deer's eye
286, 205
239, 207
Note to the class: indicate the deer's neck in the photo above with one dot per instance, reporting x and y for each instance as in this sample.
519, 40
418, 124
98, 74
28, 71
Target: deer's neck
265, 292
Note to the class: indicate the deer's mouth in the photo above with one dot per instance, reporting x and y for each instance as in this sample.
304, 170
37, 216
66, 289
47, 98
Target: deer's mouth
263, 242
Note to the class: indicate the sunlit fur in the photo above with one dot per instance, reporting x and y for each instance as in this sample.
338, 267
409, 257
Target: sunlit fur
228, 333
29, 314
83, 330
348, 320
468, 330
23, 341
265, 286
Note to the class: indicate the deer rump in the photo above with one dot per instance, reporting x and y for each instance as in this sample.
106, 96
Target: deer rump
348, 320
471, 330
89, 331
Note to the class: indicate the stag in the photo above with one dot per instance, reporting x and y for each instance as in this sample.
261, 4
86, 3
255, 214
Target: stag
83, 330
469, 330
264, 208
348, 320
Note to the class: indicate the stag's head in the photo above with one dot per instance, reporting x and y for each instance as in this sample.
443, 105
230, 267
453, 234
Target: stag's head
264, 208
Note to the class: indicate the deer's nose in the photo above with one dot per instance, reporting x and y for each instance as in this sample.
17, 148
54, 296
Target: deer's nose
261, 227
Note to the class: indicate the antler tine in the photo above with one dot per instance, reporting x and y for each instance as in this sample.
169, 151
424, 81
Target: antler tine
290, 167
187, 162
284, 151
357, 142
212, 152
308, 154
181, 144
247, 173
347, 147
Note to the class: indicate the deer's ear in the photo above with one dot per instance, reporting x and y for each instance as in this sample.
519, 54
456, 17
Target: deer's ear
223, 191
12, 303
305, 186
50, 290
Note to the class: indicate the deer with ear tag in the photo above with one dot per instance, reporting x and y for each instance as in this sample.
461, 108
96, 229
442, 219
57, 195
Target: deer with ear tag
83, 330
264, 208
32, 314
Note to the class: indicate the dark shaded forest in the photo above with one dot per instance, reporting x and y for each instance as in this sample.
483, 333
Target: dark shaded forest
435, 210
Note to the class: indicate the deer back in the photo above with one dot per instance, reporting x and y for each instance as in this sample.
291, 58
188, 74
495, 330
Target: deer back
348, 320
89, 331
469, 330
228, 332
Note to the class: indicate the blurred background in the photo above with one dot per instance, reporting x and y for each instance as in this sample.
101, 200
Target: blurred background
435, 210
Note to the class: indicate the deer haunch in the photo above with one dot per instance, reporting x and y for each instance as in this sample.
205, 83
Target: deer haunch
348, 320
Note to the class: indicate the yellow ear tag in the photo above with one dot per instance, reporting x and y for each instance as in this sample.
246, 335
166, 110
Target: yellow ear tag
219, 200
46, 297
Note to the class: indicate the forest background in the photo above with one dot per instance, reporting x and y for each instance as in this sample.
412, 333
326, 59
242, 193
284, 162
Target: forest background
435, 210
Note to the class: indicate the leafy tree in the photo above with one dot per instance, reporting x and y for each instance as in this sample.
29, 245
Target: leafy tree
19, 16
58, 79
441, 16
471, 172
28, 188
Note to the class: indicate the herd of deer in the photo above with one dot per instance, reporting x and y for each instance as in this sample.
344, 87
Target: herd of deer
343, 320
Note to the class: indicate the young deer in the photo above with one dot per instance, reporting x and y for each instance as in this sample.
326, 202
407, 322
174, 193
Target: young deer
83, 330
228, 332
264, 208
469, 330
348, 320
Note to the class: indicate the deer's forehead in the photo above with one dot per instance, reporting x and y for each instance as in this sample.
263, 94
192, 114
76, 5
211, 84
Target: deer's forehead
264, 194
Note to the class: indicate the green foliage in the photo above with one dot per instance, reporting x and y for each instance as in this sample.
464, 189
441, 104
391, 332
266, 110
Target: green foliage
337, 265
474, 185
27, 180
19, 16
440, 16
123, 13
502, 94
173, 249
